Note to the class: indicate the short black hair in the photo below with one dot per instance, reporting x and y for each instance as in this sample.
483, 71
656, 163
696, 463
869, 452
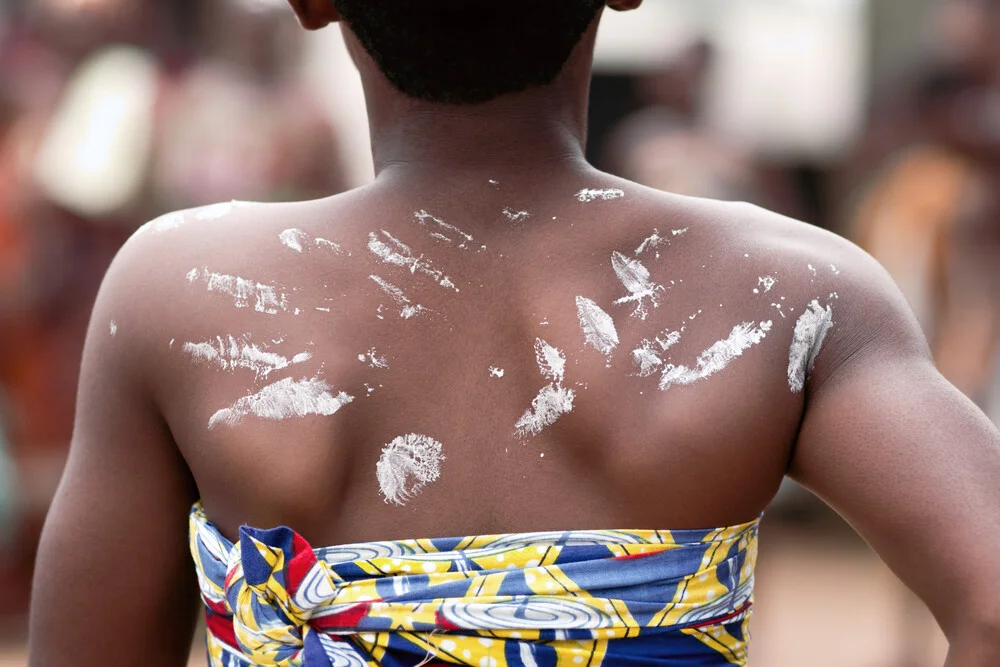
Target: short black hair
468, 51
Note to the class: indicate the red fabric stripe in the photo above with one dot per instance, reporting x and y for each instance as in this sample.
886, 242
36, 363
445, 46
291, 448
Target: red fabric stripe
221, 628
299, 565
348, 619
723, 619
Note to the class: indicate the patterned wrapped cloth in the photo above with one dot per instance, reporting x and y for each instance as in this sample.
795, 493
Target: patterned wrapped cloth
560, 599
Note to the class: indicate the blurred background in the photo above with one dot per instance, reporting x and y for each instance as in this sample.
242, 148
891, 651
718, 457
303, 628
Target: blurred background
878, 119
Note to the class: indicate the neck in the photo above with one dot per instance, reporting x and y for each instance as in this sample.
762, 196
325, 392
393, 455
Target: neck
540, 130
531, 131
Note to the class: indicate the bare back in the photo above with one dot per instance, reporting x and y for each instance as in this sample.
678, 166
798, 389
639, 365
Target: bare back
294, 344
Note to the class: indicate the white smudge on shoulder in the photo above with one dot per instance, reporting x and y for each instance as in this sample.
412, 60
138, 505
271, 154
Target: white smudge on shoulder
214, 212
407, 465
647, 357
515, 216
285, 399
496, 372
718, 357
653, 242
324, 243
231, 354
409, 309
373, 359
679, 232
598, 327
765, 283
114, 328
246, 293
393, 251
605, 194
442, 230
635, 278
553, 401
810, 333
293, 238
165, 222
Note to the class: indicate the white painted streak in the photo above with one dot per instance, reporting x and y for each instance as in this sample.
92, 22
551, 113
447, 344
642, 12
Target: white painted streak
767, 283
606, 194
231, 354
810, 333
653, 242
718, 357
373, 359
264, 298
516, 216
553, 401
496, 372
598, 327
393, 251
323, 243
679, 232
215, 211
647, 357
293, 238
409, 309
442, 230
407, 464
635, 278
285, 399
114, 328
166, 222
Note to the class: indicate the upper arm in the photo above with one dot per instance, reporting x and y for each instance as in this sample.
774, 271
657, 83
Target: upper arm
114, 584
904, 456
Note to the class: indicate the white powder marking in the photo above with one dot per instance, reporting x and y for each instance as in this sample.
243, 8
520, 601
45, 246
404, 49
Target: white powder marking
553, 401
496, 372
373, 359
493, 181
171, 346
114, 329
323, 243
607, 194
716, 358
293, 238
679, 232
835, 270
265, 298
516, 216
393, 251
443, 229
767, 282
810, 333
370, 389
598, 327
635, 277
812, 269
283, 400
779, 307
647, 357
653, 242
215, 211
230, 354
407, 464
322, 309
165, 223
409, 310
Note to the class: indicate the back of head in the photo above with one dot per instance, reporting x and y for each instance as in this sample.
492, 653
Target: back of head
468, 51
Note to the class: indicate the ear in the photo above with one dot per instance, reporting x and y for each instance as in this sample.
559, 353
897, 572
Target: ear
624, 5
315, 14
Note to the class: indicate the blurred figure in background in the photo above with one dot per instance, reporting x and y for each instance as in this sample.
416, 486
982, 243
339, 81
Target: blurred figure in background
111, 112
930, 214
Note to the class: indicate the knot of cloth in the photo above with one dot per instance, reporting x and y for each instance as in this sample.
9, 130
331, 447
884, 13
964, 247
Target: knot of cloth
522, 600
263, 588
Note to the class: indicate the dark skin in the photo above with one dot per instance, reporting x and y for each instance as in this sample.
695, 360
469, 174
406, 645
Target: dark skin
877, 432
